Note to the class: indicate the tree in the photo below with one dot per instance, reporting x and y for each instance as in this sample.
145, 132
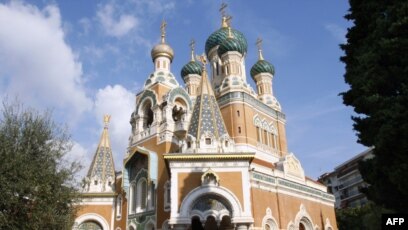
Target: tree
365, 217
376, 58
37, 183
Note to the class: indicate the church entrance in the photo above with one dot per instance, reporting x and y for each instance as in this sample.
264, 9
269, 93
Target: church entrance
211, 212
211, 223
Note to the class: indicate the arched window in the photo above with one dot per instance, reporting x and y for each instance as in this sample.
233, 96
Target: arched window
152, 197
119, 206
258, 134
147, 114
132, 198
141, 195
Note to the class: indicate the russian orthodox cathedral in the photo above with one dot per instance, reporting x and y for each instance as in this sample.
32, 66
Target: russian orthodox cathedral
211, 154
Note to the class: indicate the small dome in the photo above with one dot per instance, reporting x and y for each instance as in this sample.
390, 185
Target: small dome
162, 49
221, 35
191, 68
230, 44
262, 66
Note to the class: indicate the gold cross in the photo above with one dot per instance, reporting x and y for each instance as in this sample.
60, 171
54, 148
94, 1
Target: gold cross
222, 8
259, 43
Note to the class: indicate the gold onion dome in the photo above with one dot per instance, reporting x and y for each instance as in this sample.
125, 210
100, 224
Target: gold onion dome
162, 49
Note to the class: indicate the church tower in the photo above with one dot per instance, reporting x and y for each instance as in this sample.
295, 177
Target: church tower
102, 204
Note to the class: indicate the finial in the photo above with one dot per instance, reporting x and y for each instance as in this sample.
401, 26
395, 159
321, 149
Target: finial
259, 45
163, 31
228, 20
202, 59
106, 119
223, 15
192, 46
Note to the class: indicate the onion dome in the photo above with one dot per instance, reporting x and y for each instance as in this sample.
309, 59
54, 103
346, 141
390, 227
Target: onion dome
230, 44
219, 36
162, 49
261, 66
191, 68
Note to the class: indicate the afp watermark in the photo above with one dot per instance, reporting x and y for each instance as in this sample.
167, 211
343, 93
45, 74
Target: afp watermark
394, 221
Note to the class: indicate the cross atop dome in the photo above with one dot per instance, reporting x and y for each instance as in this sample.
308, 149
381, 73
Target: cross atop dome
163, 31
259, 45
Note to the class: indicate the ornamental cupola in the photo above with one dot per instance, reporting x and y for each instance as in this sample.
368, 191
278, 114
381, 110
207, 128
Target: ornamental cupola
162, 56
262, 73
191, 73
207, 132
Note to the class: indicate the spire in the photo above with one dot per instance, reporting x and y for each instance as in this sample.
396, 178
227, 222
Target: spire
102, 170
206, 117
192, 46
259, 44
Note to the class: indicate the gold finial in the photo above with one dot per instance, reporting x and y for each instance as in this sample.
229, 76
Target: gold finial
192, 46
259, 45
163, 31
228, 20
106, 119
202, 59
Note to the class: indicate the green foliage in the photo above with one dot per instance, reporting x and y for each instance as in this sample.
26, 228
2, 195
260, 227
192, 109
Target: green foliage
366, 217
37, 183
376, 58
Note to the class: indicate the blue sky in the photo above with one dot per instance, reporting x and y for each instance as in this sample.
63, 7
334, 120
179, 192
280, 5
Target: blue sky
83, 59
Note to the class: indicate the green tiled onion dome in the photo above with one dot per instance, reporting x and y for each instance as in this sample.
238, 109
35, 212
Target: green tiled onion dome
221, 35
230, 44
191, 68
262, 66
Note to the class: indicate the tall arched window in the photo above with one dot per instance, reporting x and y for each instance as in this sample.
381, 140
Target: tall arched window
147, 114
119, 206
132, 198
141, 195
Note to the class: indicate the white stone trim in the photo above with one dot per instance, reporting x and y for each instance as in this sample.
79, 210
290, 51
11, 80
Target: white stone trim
91, 217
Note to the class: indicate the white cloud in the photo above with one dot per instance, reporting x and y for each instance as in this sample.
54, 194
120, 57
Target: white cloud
339, 33
36, 64
119, 103
115, 25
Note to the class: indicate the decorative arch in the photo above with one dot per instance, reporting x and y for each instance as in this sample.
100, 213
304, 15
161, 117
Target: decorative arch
179, 92
132, 226
147, 95
269, 220
92, 217
150, 225
303, 217
224, 193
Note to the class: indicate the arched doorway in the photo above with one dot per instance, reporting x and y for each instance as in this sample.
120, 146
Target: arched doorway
212, 213
90, 225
